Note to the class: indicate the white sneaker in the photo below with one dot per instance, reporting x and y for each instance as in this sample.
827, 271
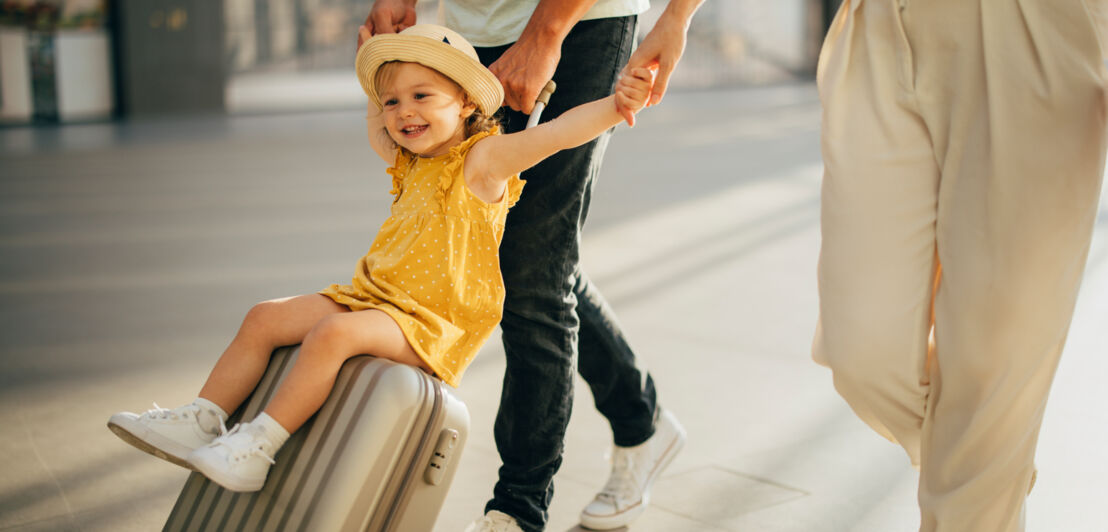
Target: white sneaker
168, 434
494, 521
238, 460
634, 469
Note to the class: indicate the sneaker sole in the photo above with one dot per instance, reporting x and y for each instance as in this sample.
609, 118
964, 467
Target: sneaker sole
614, 521
138, 437
630, 514
211, 469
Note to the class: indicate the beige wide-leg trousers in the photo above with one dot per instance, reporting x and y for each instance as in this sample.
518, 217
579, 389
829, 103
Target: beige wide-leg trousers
964, 145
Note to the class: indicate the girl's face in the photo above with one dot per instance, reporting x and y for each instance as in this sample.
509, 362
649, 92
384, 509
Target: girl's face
424, 111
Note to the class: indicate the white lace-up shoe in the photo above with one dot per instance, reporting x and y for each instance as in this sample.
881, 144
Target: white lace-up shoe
238, 460
168, 434
627, 493
494, 521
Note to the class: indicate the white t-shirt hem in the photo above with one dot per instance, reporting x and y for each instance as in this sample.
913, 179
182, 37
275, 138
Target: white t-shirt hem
487, 23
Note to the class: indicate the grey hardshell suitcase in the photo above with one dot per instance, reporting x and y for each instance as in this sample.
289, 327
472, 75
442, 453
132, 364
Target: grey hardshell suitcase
378, 456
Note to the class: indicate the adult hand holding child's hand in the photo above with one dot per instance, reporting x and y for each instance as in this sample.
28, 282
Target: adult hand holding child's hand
633, 91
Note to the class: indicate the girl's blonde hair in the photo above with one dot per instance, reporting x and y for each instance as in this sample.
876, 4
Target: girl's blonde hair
477, 122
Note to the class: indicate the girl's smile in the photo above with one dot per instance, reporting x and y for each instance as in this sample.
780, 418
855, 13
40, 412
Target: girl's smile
414, 131
424, 111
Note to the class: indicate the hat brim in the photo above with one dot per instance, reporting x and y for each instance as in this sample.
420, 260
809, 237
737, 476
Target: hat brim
481, 85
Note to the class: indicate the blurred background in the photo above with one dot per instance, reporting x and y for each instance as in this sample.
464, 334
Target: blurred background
165, 164
74, 60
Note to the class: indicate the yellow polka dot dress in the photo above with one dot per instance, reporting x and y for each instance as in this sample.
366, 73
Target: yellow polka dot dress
434, 266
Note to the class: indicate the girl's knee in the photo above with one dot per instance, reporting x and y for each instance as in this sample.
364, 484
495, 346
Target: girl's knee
261, 313
257, 324
331, 331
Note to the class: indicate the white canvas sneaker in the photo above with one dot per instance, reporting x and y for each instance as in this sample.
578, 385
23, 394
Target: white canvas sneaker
238, 460
168, 434
494, 521
627, 493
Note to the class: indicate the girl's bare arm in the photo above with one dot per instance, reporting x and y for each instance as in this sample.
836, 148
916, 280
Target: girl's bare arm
493, 160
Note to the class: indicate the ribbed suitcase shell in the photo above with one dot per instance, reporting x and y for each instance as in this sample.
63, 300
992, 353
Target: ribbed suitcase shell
378, 456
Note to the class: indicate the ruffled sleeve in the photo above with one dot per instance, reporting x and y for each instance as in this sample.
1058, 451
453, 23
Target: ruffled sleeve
455, 163
398, 170
515, 189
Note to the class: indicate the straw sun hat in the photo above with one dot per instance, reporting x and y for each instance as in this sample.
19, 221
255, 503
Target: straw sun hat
435, 47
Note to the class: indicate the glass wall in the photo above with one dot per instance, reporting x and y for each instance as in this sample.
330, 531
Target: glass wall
748, 42
296, 54
300, 53
293, 35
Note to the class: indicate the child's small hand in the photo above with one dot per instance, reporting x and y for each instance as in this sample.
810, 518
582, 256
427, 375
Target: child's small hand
633, 90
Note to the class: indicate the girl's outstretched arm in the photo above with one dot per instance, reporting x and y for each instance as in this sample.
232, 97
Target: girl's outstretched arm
493, 160
379, 138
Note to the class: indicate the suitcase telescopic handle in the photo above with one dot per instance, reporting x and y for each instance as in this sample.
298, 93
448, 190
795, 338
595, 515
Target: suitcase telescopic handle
541, 102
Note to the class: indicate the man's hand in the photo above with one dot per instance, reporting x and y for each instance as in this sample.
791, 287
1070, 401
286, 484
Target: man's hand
389, 16
663, 46
526, 66
523, 69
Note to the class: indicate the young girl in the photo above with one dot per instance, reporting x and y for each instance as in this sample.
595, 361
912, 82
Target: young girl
429, 291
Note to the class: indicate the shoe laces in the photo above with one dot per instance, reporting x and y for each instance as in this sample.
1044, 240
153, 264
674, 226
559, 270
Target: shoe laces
185, 412
241, 450
623, 484
177, 414
222, 425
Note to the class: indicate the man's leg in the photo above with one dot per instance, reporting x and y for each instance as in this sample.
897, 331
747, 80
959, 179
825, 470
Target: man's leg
646, 437
539, 260
622, 390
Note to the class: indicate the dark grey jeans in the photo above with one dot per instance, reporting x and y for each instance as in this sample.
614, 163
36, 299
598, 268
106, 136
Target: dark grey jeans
553, 315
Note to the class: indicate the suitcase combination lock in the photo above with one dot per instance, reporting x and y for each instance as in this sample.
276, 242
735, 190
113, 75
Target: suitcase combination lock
444, 450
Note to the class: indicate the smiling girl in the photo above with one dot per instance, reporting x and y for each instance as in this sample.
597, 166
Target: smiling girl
429, 291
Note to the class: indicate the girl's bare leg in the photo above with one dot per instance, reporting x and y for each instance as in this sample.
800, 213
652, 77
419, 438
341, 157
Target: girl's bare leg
267, 326
330, 343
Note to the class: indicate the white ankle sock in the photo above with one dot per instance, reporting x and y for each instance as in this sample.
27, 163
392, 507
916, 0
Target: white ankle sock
208, 405
273, 430
211, 416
